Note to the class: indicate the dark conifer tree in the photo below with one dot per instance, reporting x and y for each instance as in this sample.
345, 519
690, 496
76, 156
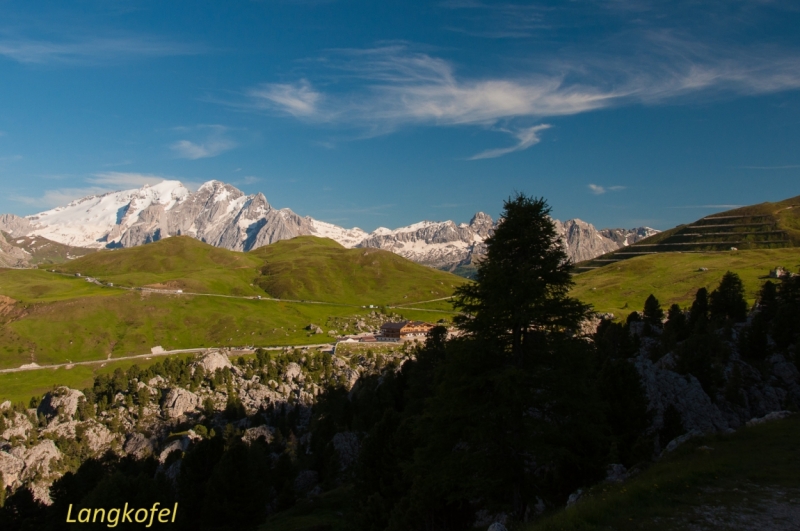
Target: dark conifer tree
727, 302
653, 314
698, 315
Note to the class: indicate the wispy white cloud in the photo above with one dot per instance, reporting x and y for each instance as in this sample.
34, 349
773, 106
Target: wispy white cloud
380, 90
297, 99
215, 143
526, 138
596, 189
93, 50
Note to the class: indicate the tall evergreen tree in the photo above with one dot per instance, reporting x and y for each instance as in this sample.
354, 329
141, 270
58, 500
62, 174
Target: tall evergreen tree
698, 315
516, 390
727, 302
653, 313
522, 284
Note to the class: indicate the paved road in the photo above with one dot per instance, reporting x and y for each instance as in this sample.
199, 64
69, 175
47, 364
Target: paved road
148, 356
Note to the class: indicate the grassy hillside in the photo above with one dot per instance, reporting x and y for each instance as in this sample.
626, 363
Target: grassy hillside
51, 318
304, 268
320, 269
622, 287
762, 226
179, 262
747, 480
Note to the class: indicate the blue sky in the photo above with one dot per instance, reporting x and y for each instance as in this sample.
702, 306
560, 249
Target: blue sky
364, 113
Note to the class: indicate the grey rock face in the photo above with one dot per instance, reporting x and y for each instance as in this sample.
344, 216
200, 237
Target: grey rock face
25, 464
665, 387
253, 434
214, 361
221, 215
17, 425
138, 446
179, 401
63, 400
15, 225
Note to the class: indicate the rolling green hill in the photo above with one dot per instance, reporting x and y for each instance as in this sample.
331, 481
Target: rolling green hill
51, 318
303, 268
623, 286
321, 269
762, 226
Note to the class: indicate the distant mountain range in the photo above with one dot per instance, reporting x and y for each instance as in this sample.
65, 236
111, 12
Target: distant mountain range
223, 216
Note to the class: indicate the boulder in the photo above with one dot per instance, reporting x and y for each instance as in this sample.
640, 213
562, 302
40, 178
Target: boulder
179, 444
61, 398
138, 446
253, 434
17, 425
293, 372
179, 401
213, 361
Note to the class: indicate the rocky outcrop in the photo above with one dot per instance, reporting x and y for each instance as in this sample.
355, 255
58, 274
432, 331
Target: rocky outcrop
60, 401
14, 225
253, 434
664, 388
138, 446
179, 401
214, 361
30, 465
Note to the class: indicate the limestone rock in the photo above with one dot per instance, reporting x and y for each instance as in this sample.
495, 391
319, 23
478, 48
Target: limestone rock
179, 401
497, 526
17, 425
214, 361
61, 399
179, 444
138, 446
665, 387
11, 466
293, 372
253, 434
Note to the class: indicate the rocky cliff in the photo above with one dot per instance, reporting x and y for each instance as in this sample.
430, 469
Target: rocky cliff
223, 216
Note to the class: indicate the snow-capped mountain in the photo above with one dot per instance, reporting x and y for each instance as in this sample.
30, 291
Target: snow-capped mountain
223, 216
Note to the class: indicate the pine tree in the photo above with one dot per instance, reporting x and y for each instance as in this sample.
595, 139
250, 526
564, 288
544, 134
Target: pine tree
653, 314
517, 387
698, 315
522, 285
727, 302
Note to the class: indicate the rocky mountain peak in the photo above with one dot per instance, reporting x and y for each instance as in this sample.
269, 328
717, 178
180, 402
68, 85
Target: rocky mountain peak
222, 215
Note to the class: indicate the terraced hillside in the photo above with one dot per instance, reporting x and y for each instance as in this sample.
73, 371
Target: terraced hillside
762, 226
